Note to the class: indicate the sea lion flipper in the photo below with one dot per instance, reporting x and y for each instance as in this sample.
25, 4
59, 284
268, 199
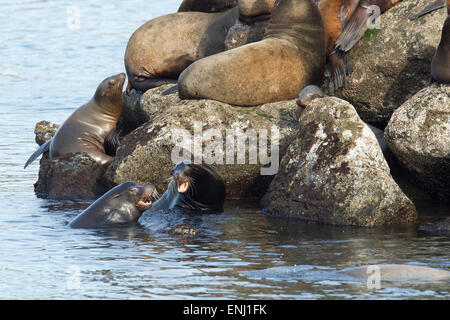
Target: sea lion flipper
112, 142
353, 29
43, 148
171, 90
339, 69
431, 7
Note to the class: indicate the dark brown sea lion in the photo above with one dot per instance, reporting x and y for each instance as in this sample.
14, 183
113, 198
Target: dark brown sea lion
163, 47
193, 188
121, 205
207, 5
255, 10
440, 65
291, 56
353, 29
87, 128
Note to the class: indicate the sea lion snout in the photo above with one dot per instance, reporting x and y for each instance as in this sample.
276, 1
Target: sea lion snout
148, 195
181, 174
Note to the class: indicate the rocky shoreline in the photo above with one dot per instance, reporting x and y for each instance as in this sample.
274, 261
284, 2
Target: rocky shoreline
332, 169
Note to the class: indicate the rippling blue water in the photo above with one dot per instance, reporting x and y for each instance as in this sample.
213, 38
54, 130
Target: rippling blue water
47, 70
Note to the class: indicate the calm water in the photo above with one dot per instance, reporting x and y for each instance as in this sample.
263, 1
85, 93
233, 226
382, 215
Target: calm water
47, 70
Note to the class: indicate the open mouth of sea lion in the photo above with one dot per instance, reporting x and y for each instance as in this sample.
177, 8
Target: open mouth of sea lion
183, 186
253, 19
146, 200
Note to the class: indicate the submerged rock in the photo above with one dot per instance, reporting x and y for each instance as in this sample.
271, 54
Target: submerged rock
392, 63
334, 172
418, 134
442, 226
148, 154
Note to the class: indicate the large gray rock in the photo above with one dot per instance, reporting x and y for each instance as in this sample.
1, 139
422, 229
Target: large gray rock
145, 155
334, 172
419, 136
71, 177
391, 65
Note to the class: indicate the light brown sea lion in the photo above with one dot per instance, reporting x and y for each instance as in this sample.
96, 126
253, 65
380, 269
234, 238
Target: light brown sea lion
440, 65
163, 47
291, 56
207, 5
255, 10
398, 272
86, 129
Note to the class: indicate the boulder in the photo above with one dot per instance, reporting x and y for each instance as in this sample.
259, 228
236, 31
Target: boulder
71, 177
392, 63
242, 33
418, 134
148, 154
334, 172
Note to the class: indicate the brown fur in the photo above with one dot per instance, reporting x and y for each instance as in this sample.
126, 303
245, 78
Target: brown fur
291, 56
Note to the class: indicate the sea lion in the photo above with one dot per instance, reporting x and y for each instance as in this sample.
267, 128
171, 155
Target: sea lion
255, 10
207, 5
353, 28
440, 65
121, 205
193, 188
88, 127
291, 56
163, 47
398, 272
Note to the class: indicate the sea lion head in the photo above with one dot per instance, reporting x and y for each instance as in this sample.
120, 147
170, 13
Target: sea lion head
251, 11
141, 197
183, 176
109, 91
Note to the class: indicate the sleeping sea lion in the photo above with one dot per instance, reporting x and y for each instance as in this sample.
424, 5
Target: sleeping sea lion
291, 56
193, 188
207, 5
121, 205
88, 127
163, 47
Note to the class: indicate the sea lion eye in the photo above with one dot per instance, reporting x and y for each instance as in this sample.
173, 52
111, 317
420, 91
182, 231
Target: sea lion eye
133, 189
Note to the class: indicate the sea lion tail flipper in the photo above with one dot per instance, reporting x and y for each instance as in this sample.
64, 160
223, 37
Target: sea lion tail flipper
112, 142
170, 90
339, 68
43, 148
431, 7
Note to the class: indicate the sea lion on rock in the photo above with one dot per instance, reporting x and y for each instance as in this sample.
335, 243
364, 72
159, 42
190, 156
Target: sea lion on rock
121, 205
88, 127
291, 56
193, 188
440, 65
163, 47
255, 10
207, 5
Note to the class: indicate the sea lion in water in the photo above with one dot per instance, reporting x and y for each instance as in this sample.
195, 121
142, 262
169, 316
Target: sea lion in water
291, 56
255, 10
207, 5
440, 65
88, 127
121, 205
163, 47
193, 188
398, 272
